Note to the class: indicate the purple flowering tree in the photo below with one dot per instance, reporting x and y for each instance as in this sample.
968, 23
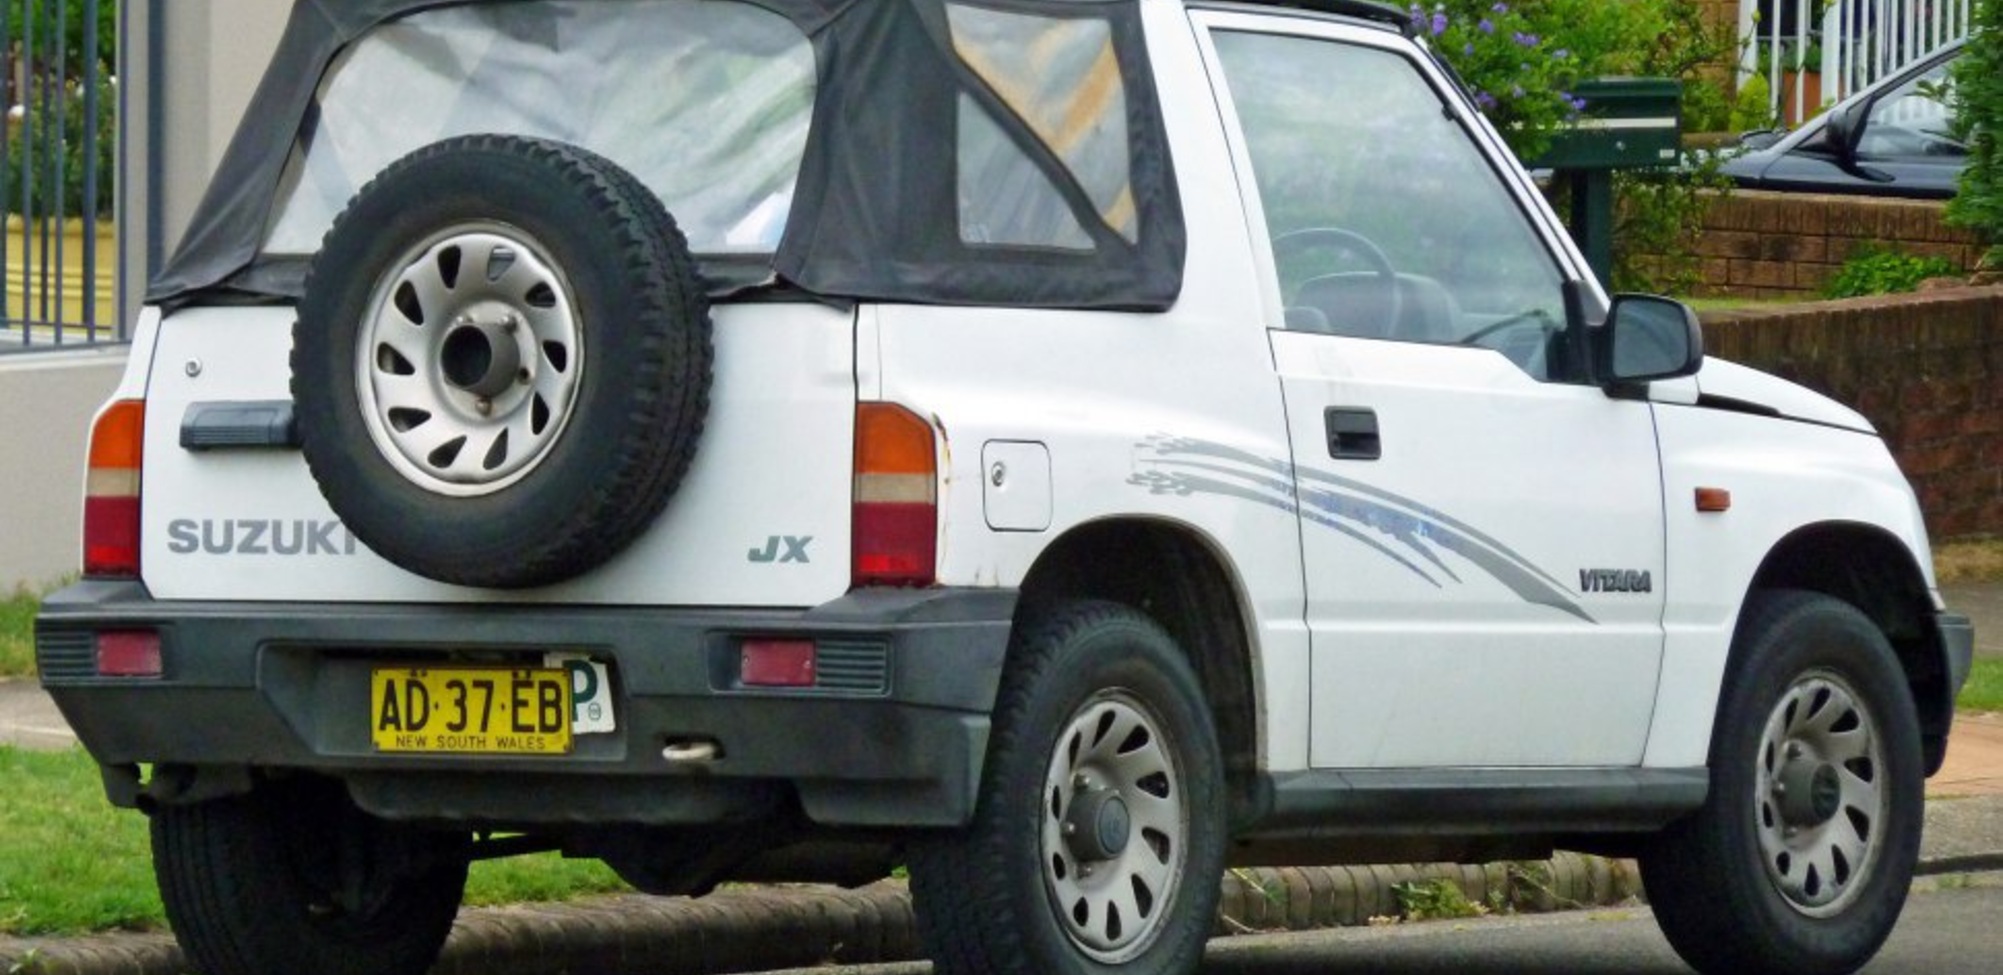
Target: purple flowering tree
1520, 78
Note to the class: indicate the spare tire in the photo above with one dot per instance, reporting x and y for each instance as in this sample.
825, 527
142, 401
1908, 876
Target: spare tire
501, 365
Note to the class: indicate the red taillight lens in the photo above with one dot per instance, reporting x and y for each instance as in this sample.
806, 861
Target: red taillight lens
111, 491
777, 663
128, 654
896, 513
895, 544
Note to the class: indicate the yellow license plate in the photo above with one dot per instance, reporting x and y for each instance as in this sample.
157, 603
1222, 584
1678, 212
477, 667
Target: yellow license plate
470, 711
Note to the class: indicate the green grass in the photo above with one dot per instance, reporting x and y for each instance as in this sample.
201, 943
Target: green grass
17, 634
1737, 304
1984, 690
69, 862
541, 877
72, 864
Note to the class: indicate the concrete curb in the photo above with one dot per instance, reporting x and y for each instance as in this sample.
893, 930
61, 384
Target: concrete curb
768, 928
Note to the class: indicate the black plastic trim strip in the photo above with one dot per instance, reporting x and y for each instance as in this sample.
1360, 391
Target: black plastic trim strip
240, 425
1331, 804
1378, 13
1728, 404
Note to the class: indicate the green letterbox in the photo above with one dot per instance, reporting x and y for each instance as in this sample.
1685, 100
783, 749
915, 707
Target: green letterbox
1628, 123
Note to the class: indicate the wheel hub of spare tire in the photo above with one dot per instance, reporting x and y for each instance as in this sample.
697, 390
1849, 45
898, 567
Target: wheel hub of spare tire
470, 359
1115, 824
1820, 807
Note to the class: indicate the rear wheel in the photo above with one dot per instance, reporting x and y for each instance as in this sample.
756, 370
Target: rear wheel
1099, 836
293, 878
1800, 858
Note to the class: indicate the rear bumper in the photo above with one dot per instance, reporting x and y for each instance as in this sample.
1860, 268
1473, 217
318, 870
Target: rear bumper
286, 686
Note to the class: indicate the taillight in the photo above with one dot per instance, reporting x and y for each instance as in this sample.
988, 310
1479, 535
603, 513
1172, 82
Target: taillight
896, 515
111, 491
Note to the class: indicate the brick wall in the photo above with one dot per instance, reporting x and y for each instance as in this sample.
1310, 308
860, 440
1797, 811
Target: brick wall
1758, 244
1927, 369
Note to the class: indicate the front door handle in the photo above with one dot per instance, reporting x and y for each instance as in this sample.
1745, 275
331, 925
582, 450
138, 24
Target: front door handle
1352, 434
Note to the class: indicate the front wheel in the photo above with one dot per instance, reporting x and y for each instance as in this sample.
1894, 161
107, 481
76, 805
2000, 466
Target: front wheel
1799, 861
293, 878
1099, 836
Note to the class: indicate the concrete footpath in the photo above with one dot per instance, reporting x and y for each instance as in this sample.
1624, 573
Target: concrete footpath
768, 928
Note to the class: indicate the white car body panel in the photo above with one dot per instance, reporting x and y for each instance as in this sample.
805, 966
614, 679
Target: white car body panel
1415, 664
1444, 582
1100, 390
1783, 476
775, 459
1724, 378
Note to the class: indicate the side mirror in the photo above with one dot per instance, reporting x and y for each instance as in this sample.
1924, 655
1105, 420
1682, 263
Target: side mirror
1842, 134
1842, 131
1646, 338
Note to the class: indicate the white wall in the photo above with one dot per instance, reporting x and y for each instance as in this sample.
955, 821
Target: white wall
46, 404
211, 56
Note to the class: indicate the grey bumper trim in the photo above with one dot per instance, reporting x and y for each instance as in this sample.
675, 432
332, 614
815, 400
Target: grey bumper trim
286, 686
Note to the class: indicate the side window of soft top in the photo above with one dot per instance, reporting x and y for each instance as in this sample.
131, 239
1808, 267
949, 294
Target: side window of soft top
1060, 80
1387, 220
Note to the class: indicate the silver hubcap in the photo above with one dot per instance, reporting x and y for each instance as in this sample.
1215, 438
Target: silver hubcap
470, 360
1114, 824
1819, 803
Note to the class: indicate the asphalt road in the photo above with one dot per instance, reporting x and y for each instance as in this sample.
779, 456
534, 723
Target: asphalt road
1949, 929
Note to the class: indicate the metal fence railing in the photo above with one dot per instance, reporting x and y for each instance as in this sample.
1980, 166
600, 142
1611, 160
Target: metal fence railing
1815, 52
58, 249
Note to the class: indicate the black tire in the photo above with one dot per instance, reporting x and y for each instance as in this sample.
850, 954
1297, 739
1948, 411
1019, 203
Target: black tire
999, 897
1799, 861
513, 428
253, 884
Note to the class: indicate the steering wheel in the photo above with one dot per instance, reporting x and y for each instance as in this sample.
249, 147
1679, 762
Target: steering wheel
1537, 317
1295, 242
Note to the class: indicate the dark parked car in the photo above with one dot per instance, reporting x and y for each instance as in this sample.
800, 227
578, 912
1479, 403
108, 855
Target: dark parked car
1895, 138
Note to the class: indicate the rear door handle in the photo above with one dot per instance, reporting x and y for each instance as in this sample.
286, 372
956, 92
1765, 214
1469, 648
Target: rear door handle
1352, 433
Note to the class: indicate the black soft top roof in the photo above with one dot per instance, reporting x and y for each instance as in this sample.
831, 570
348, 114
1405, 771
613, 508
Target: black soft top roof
887, 94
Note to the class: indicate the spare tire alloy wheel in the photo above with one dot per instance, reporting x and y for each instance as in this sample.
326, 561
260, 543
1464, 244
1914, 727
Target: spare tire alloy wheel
502, 361
1799, 861
1099, 834
473, 406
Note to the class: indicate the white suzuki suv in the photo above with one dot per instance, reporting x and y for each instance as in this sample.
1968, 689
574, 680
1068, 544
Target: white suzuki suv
1066, 447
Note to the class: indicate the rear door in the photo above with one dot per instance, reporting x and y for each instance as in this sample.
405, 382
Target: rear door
1482, 531
774, 463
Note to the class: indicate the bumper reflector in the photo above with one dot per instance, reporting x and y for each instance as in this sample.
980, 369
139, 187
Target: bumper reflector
133, 653
777, 663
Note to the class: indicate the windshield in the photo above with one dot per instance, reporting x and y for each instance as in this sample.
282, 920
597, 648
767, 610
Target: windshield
707, 104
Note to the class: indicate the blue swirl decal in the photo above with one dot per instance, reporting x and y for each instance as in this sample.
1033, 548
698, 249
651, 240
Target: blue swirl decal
1407, 532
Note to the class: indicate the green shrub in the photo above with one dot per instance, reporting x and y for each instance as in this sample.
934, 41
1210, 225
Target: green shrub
1978, 104
40, 127
45, 86
1751, 111
1876, 271
1520, 59
73, 23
